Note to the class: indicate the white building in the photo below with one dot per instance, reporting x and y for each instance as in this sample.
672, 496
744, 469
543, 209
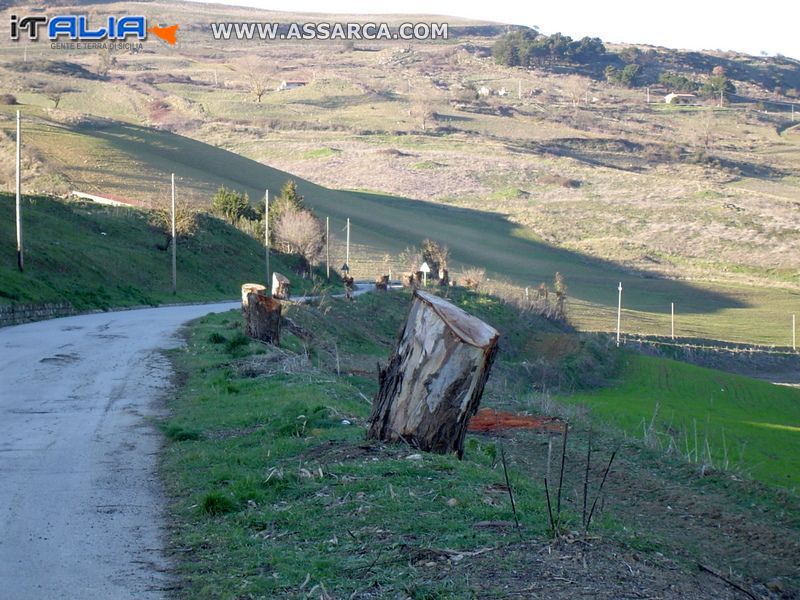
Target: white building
291, 85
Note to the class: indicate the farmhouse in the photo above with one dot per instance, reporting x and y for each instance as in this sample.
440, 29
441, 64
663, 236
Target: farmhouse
674, 98
290, 85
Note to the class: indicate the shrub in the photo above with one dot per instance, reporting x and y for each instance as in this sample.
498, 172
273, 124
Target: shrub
303, 233
217, 503
436, 255
229, 204
8, 99
626, 76
237, 343
186, 222
566, 182
473, 278
179, 434
216, 338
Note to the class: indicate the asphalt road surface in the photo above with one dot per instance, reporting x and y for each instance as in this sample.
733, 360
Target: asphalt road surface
81, 506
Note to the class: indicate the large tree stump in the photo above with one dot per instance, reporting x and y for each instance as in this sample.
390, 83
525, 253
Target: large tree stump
281, 286
262, 314
435, 377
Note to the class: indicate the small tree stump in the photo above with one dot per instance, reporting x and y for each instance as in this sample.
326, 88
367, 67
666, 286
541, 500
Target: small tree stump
262, 314
349, 286
382, 283
254, 288
435, 377
444, 277
281, 286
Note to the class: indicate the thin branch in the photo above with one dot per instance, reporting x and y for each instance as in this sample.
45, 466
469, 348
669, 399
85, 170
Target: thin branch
508, 485
726, 580
600, 489
561, 475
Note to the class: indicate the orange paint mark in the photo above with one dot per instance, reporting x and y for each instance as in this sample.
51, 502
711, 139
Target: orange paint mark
168, 34
488, 419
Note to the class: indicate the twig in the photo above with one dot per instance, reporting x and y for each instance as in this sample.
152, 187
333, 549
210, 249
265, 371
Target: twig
549, 506
508, 485
586, 475
600, 489
561, 476
726, 580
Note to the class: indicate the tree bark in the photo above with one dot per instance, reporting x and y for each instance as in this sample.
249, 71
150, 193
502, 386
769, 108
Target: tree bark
435, 377
262, 314
281, 286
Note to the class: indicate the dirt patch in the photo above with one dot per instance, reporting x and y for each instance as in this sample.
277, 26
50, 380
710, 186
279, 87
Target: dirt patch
737, 527
489, 420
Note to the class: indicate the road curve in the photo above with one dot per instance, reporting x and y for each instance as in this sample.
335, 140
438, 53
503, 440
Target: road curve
81, 506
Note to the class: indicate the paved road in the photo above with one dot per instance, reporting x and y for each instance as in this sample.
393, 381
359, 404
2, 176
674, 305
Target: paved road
80, 501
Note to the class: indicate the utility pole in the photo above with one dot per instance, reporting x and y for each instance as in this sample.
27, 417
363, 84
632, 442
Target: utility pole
648, 94
794, 332
266, 234
20, 261
327, 248
174, 243
672, 306
619, 311
347, 256
721, 92
519, 89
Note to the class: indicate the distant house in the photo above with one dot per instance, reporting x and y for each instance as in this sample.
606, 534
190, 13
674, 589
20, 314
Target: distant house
680, 99
502, 92
484, 91
291, 85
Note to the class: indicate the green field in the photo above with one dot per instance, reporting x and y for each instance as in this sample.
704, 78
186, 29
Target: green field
751, 426
134, 162
102, 257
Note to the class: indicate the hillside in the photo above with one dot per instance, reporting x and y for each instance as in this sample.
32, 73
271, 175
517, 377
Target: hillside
133, 163
694, 205
100, 257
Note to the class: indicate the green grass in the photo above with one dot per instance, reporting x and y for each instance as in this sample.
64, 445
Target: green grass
321, 153
274, 486
104, 257
752, 423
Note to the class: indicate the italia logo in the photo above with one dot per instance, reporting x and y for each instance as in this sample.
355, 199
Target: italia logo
78, 28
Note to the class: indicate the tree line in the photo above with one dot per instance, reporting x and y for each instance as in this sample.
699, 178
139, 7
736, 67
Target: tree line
529, 48
293, 227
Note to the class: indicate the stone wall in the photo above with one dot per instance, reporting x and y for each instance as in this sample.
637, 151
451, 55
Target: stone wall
14, 314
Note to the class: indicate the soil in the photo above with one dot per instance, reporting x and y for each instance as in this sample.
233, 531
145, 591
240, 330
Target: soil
488, 420
681, 520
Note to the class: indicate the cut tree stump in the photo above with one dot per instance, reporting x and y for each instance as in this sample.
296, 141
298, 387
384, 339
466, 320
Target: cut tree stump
349, 286
262, 314
281, 286
435, 377
382, 283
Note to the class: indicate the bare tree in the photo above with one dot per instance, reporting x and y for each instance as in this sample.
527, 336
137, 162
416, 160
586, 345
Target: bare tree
303, 233
257, 75
55, 92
